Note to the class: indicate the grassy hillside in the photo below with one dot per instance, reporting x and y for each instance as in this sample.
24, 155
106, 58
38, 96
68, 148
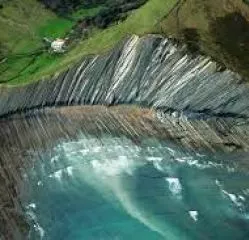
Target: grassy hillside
23, 25
23, 70
217, 28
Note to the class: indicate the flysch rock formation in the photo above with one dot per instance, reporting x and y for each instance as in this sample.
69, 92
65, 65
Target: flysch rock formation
183, 98
150, 71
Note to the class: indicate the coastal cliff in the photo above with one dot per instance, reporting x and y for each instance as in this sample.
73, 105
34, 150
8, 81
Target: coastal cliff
180, 97
151, 71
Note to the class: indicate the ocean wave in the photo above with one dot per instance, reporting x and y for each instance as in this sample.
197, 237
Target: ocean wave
54, 159
237, 199
39, 183
113, 167
174, 186
191, 161
37, 227
69, 171
32, 205
154, 159
40, 230
246, 191
194, 215
57, 174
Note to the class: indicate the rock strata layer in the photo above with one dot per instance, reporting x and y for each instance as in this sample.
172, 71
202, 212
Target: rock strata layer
150, 71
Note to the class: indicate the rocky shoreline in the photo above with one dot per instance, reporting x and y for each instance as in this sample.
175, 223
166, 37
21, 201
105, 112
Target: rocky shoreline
151, 72
24, 136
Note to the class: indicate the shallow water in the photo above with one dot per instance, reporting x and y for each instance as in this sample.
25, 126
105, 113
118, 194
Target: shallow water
113, 188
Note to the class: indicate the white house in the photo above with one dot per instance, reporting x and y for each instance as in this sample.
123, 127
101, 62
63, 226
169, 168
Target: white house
58, 45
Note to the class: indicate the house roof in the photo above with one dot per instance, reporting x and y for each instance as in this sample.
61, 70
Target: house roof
57, 45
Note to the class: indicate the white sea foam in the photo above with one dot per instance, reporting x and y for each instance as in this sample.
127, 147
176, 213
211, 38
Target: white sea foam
242, 198
32, 205
200, 165
69, 146
156, 162
72, 154
154, 159
54, 159
39, 183
37, 226
246, 191
158, 166
217, 182
40, 230
184, 159
69, 170
113, 167
96, 149
171, 150
235, 199
194, 215
84, 151
200, 155
58, 174
181, 160
174, 186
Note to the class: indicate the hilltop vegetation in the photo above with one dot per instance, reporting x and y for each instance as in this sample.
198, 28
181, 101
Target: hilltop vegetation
68, 6
218, 29
109, 10
30, 67
23, 25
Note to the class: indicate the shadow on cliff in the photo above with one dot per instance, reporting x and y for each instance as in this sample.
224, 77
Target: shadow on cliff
231, 34
191, 38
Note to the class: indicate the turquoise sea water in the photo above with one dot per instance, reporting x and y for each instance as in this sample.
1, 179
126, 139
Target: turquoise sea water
112, 188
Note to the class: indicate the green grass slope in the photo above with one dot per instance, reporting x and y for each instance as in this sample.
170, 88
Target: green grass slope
218, 29
23, 24
141, 21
